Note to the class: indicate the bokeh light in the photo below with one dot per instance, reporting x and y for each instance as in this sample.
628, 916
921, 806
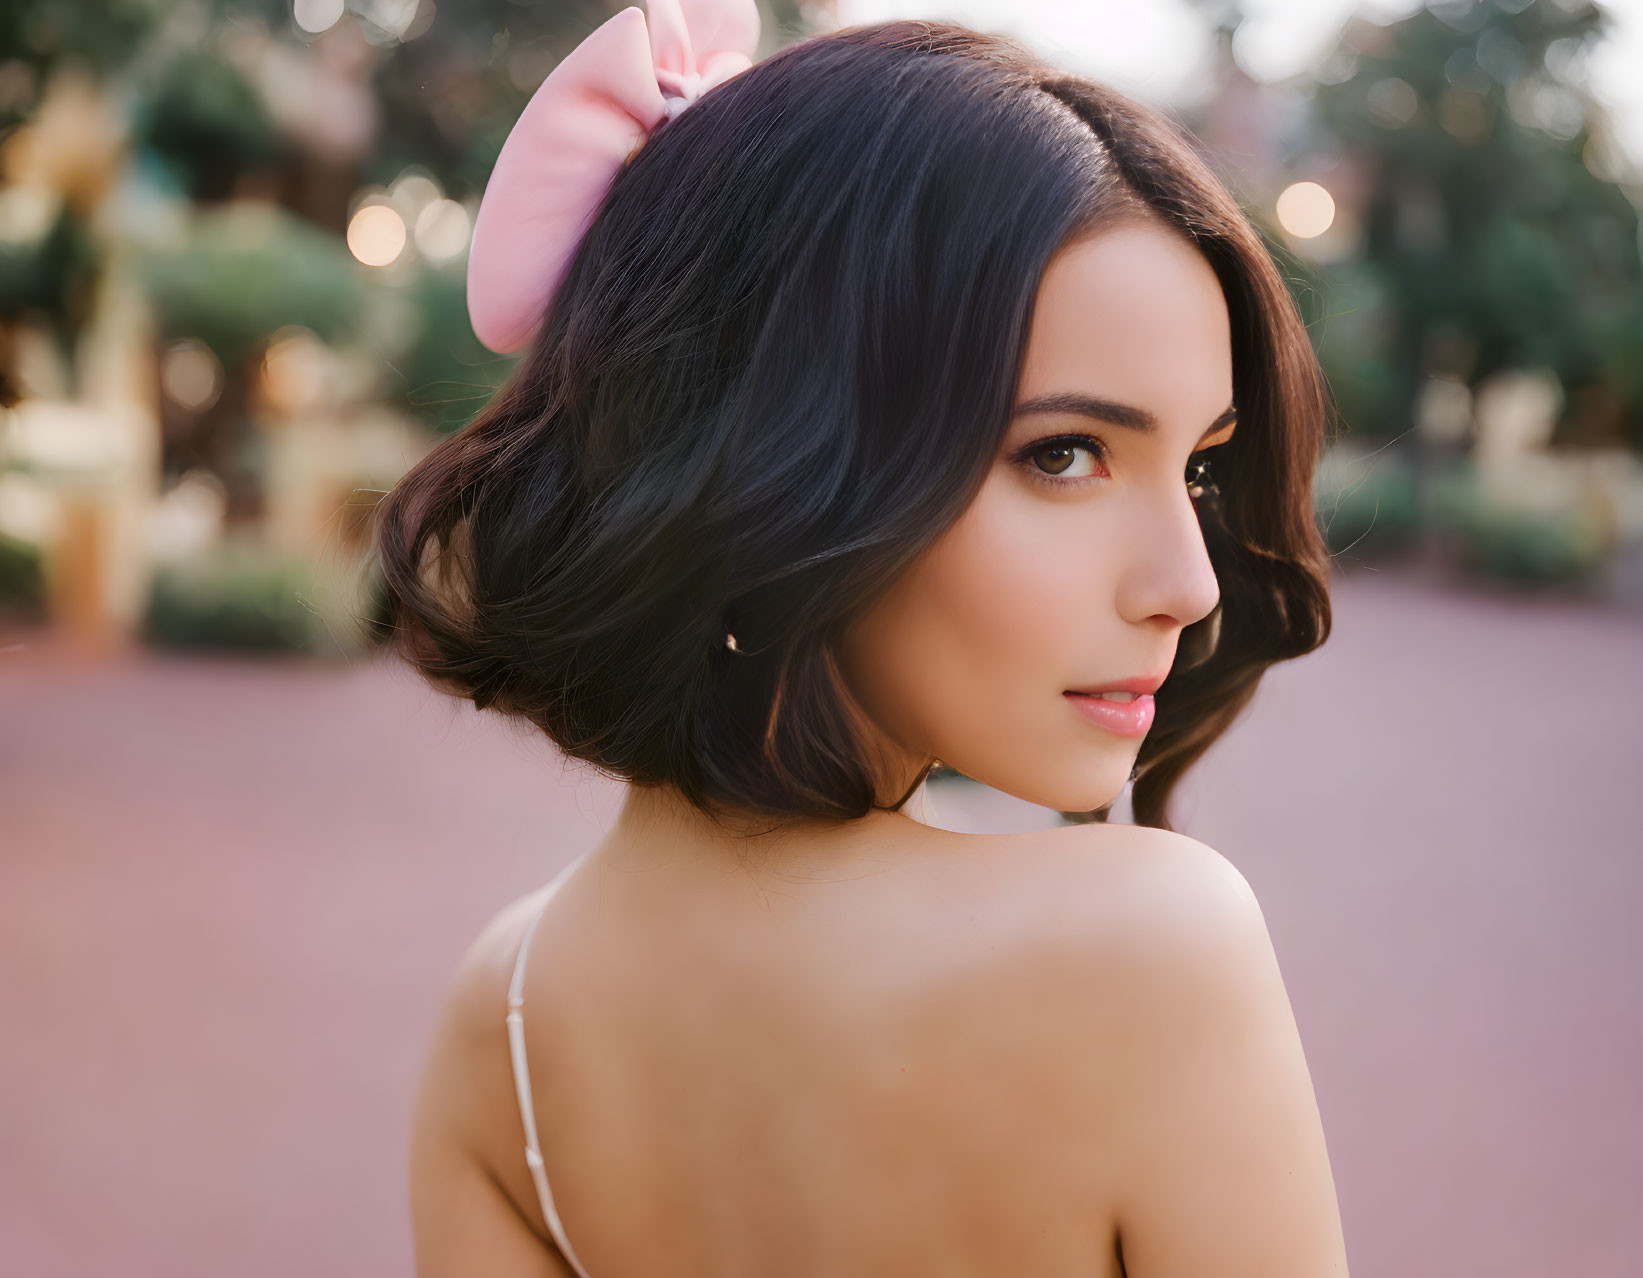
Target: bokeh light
26, 213
296, 371
191, 375
1392, 102
442, 229
376, 235
315, 16
388, 21
1306, 210
412, 191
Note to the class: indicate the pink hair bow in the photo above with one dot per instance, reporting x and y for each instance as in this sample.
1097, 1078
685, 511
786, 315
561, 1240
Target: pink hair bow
601, 101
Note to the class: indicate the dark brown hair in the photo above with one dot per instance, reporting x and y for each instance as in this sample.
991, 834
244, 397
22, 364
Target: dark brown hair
782, 363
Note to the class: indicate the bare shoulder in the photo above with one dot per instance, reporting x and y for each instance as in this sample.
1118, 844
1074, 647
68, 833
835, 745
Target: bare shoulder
467, 1202
1208, 1113
479, 981
1134, 928
467, 1083
470, 1024
1160, 935
1139, 855
1131, 892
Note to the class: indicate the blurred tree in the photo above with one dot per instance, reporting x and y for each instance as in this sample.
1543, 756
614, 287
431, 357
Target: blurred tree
207, 124
1495, 234
51, 274
199, 78
36, 36
445, 375
246, 272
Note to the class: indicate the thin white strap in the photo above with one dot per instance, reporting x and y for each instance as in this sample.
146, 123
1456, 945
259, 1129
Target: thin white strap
522, 1080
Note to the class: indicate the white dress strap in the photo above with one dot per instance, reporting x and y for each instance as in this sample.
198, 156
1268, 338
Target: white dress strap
522, 1080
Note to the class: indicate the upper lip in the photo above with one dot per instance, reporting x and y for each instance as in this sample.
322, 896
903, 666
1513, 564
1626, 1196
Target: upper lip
1138, 685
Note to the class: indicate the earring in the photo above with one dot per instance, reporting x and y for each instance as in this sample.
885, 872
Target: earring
733, 645
1201, 481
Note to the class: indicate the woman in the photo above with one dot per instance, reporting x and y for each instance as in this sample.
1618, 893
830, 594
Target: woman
878, 410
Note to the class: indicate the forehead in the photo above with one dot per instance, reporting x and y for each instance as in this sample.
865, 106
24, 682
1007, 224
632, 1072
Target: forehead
1134, 313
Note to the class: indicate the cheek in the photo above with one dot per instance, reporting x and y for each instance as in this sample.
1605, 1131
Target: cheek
988, 625
1012, 582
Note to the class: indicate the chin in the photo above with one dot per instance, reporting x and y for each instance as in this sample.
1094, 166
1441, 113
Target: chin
1063, 789
1087, 798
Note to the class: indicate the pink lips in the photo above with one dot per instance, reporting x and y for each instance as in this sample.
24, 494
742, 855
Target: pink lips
1126, 718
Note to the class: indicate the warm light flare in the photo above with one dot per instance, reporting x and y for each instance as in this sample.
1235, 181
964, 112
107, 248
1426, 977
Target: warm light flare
190, 375
1306, 210
376, 235
442, 229
315, 16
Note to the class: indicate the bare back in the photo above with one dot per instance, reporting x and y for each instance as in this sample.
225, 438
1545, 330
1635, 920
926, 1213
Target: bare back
922, 1060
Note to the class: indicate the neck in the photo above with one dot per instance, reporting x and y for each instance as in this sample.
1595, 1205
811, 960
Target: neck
659, 822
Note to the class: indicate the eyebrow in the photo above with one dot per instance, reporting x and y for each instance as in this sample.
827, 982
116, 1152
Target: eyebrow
1106, 410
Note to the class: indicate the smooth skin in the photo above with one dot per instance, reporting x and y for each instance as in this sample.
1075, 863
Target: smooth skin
881, 1048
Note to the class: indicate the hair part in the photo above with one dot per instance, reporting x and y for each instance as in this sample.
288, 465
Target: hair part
781, 364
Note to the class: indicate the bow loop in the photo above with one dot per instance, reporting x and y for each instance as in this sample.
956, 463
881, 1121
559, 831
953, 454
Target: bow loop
583, 122
669, 38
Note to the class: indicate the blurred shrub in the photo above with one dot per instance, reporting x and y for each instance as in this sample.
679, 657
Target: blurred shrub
51, 275
236, 599
375, 625
445, 376
101, 35
22, 578
1348, 320
1513, 544
1486, 230
207, 124
1366, 505
250, 270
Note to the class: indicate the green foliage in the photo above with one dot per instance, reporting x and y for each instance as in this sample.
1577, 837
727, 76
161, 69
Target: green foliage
1484, 218
234, 600
1367, 508
51, 275
246, 272
1514, 545
446, 376
100, 34
22, 578
450, 96
1352, 344
207, 124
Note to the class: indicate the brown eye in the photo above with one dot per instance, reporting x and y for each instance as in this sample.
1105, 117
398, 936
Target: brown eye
1057, 460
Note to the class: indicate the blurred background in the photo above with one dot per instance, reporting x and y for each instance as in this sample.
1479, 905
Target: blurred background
240, 852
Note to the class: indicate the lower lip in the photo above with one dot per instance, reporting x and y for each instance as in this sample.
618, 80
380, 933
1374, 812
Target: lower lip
1126, 718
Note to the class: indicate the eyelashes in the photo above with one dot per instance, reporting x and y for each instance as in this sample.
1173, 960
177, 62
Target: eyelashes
1056, 461
1061, 452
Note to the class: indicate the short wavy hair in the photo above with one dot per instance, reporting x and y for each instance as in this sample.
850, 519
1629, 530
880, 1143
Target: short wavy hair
780, 366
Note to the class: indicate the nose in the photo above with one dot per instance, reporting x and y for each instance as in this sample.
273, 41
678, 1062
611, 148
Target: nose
1168, 573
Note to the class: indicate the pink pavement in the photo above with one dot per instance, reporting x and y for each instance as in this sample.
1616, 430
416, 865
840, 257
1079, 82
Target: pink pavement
231, 890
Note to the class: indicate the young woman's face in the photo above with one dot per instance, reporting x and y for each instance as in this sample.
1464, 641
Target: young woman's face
1081, 559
